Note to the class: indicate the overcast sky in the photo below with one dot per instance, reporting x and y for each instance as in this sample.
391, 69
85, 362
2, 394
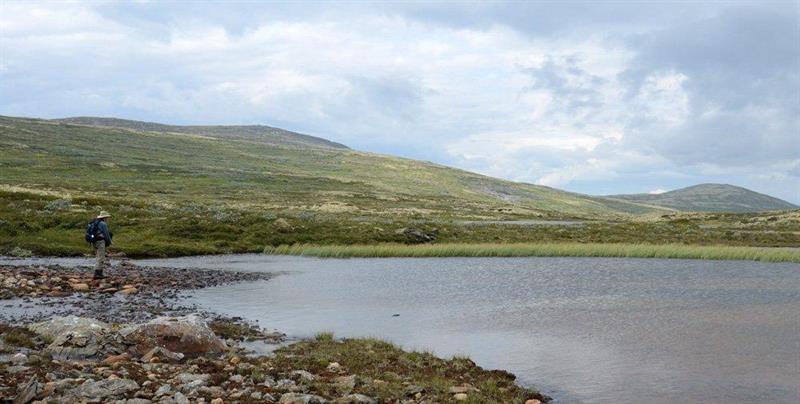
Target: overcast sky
591, 97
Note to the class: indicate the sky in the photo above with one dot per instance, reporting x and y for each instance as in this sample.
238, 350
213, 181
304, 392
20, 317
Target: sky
592, 97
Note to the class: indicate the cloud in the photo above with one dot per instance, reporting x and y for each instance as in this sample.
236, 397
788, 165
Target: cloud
612, 98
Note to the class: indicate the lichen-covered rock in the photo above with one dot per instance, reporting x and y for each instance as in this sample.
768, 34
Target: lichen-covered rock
97, 391
189, 335
73, 337
355, 399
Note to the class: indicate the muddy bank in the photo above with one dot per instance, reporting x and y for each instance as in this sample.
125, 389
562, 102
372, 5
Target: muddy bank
129, 339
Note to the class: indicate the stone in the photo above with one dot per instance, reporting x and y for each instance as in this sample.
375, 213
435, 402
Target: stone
299, 398
461, 389
413, 390
191, 377
303, 376
334, 367
235, 360
124, 357
128, 291
236, 378
28, 391
79, 287
19, 358
100, 390
59, 325
189, 335
162, 355
163, 390
460, 397
217, 401
533, 401
355, 399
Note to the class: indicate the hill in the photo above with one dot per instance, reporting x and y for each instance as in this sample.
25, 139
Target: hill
180, 190
262, 168
255, 133
711, 198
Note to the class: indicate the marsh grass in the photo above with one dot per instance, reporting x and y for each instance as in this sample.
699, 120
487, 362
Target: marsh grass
544, 250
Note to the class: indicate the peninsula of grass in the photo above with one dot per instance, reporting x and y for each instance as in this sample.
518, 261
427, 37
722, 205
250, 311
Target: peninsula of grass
768, 254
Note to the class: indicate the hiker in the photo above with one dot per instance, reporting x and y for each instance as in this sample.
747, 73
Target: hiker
98, 234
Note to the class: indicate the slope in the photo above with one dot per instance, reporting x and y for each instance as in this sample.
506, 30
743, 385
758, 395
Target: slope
711, 198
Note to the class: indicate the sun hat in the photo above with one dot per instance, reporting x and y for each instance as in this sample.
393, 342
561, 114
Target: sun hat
103, 214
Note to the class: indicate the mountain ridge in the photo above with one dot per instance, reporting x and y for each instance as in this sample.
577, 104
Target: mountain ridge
711, 197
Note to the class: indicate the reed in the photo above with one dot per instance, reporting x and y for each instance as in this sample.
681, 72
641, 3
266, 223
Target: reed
769, 254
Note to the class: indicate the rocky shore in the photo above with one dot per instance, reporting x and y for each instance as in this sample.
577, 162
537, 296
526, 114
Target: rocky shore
127, 339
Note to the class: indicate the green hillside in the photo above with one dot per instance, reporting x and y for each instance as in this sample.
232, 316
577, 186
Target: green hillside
711, 198
261, 168
178, 190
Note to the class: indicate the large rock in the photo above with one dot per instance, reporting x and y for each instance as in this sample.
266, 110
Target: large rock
97, 391
59, 325
73, 337
189, 335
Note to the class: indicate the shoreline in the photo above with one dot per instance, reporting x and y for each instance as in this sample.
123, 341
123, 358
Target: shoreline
78, 350
596, 250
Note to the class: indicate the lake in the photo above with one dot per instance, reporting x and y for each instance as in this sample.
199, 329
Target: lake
584, 330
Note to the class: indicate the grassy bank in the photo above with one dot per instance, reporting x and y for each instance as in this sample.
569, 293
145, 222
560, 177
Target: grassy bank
545, 250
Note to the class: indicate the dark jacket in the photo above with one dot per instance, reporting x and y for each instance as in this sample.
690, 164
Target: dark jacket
103, 233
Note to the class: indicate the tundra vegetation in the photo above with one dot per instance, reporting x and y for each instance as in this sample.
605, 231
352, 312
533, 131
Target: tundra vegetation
211, 190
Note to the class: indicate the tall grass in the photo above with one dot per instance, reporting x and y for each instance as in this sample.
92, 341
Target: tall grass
768, 254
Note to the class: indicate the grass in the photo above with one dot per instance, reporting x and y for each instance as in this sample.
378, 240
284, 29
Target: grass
385, 372
545, 250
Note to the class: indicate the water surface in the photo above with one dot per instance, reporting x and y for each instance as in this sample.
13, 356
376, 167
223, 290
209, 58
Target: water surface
585, 330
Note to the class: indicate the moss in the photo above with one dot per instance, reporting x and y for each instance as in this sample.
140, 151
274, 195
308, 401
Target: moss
18, 336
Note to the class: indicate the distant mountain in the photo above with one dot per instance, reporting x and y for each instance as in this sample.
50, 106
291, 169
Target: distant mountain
255, 133
711, 198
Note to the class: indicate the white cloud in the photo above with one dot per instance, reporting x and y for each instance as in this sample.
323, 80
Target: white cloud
576, 107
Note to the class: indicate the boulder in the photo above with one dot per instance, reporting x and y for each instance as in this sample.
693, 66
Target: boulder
189, 335
28, 391
101, 390
163, 355
59, 325
73, 337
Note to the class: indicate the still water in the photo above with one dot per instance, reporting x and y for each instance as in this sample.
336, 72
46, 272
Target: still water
584, 330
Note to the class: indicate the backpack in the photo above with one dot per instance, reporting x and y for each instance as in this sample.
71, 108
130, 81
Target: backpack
91, 231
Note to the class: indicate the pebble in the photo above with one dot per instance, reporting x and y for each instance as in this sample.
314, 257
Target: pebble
460, 397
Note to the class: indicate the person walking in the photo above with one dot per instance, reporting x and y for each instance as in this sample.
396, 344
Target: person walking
101, 240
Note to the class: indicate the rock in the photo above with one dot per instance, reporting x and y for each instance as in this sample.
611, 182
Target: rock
256, 395
413, 390
303, 376
79, 287
128, 291
60, 325
298, 398
460, 397
282, 225
28, 391
217, 401
19, 358
355, 399
100, 390
212, 391
462, 389
345, 384
236, 379
163, 390
285, 385
189, 335
162, 354
117, 358
178, 398
334, 367
533, 401
235, 360
191, 377
416, 236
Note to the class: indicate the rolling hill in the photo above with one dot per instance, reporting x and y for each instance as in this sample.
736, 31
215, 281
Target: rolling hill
259, 167
711, 198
